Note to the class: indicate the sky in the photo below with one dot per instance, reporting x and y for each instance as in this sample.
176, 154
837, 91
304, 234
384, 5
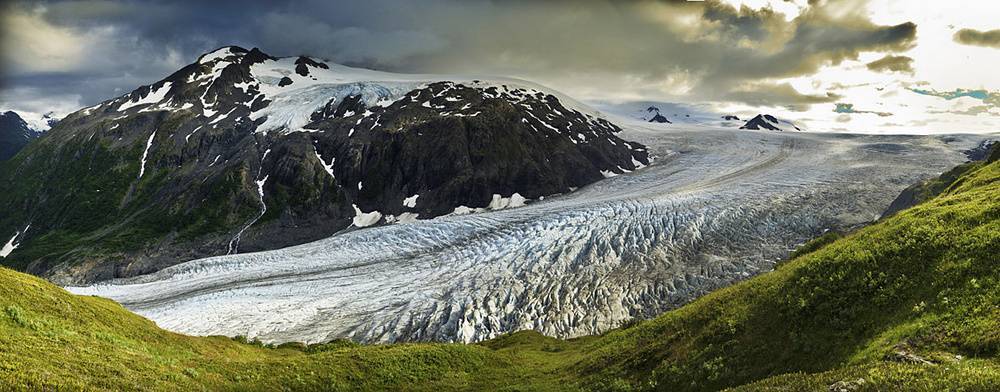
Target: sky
874, 66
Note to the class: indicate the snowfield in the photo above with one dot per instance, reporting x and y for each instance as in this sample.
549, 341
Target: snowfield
715, 207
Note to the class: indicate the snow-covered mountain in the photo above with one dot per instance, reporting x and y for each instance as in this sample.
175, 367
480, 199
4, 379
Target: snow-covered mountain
242, 151
40, 122
670, 113
15, 133
654, 115
769, 123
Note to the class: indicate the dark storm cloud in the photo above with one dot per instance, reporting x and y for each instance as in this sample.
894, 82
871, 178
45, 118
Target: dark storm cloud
891, 63
635, 49
989, 39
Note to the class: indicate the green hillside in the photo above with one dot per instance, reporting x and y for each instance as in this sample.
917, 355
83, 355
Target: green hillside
911, 302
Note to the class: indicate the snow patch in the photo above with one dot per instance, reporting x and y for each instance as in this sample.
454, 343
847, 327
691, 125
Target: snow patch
220, 53
154, 96
223, 117
405, 217
365, 219
327, 167
411, 201
145, 154
12, 244
463, 210
499, 202
192, 133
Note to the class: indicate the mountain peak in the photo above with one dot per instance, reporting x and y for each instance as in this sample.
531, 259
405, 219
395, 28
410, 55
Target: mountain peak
657, 117
11, 117
221, 53
770, 123
14, 134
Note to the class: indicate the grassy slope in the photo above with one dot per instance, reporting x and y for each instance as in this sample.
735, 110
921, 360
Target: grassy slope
925, 282
50, 338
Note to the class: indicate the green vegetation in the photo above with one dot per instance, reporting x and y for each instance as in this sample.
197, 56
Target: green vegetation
85, 195
911, 302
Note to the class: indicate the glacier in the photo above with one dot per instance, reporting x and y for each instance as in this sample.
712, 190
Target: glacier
715, 207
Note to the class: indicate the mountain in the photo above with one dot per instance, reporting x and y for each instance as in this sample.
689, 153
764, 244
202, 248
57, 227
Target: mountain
982, 151
665, 112
656, 116
50, 119
14, 134
242, 151
770, 123
691, 114
908, 303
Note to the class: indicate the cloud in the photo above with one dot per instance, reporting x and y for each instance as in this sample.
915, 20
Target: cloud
690, 51
972, 111
848, 108
891, 63
31, 43
990, 39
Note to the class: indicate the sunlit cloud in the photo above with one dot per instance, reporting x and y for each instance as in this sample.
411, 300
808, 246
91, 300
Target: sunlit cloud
798, 57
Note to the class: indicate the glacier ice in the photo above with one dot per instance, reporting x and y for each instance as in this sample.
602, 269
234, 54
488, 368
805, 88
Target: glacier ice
716, 207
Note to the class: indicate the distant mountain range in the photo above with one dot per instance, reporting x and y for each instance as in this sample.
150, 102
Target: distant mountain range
770, 123
689, 114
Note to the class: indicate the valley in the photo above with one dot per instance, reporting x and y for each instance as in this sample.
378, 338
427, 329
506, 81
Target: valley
511, 196
907, 303
715, 206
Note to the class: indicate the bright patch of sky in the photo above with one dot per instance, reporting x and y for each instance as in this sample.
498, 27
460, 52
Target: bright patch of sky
949, 90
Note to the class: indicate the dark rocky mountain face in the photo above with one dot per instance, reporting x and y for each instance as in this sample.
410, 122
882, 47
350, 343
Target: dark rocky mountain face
242, 151
770, 123
656, 116
14, 134
982, 151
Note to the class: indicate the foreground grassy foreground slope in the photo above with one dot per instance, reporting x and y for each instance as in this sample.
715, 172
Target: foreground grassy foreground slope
912, 302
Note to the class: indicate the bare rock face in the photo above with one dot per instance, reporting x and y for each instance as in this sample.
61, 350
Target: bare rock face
988, 151
770, 123
241, 151
656, 116
14, 134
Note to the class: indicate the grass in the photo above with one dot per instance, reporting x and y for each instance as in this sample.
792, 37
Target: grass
911, 302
